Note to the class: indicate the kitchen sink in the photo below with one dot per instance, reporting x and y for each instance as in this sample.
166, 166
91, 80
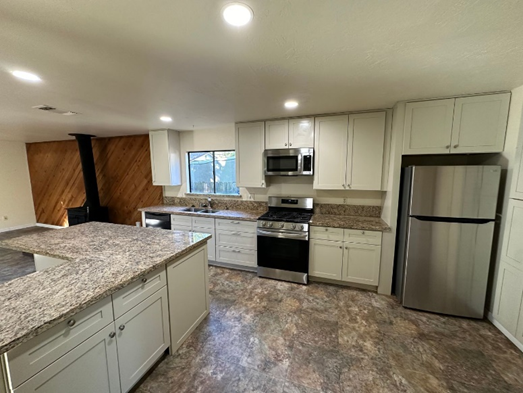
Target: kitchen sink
193, 209
208, 211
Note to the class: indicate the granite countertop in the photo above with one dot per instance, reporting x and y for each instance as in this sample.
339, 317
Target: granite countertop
103, 259
240, 215
349, 222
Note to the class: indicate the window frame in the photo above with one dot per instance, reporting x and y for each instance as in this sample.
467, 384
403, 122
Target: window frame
213, 170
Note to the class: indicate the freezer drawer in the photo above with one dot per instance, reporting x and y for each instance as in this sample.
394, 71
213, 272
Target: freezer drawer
447, 267
454, 191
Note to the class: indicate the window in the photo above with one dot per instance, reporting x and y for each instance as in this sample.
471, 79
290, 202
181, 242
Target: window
212, 172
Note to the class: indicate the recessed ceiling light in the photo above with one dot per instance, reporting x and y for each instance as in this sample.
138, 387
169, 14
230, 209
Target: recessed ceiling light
26, 76
166, 118
291, 104
237, 14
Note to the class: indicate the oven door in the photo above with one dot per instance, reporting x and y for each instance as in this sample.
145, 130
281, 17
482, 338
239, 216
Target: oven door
283, 255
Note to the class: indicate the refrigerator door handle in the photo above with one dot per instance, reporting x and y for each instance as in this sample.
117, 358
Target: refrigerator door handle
454, 220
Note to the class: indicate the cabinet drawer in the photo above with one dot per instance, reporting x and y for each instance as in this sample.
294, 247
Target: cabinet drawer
325, 233
181, 220
202, 222
363, 237
176, 227
237, 239
39, 352
236, 256
235, 225
136, 292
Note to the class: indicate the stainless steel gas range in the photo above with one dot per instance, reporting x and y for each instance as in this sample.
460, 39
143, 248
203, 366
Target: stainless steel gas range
283, 239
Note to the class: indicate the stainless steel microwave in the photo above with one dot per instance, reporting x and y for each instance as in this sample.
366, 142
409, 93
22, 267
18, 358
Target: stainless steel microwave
289, 162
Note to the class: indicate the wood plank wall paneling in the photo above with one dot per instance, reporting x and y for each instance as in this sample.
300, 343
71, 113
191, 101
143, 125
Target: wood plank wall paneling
123, 171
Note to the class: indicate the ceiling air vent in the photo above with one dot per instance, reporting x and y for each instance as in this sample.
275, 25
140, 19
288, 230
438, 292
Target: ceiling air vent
52, 109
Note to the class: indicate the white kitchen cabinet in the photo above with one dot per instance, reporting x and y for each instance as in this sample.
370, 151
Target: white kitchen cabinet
91, 367
142, 337
475, 124
277, 134
361, 263
165, 157
480, 124
188, 295
330, 155
428, 127
236, 242
509, 291
250, 144
365, 151
301, 133
196, 224
513, 234
325, 259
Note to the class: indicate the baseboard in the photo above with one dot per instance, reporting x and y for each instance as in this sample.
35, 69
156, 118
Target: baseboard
509, 335
17, 227
343, 283
232, 266
49, 226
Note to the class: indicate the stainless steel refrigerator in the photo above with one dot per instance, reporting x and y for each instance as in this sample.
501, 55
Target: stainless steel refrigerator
446, 225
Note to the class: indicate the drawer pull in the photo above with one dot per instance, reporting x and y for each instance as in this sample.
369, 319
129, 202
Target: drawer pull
112, 335
238, 251
326, 229
144, 280
71, 322
341, 247
363, 232
121, 327
235, 222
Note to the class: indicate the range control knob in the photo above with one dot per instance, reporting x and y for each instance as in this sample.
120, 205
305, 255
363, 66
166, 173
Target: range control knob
293, 226
263, 223
269, 224
281, 225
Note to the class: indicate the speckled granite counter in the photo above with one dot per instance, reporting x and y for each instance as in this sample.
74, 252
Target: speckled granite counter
349, 222
103, 258
240, 215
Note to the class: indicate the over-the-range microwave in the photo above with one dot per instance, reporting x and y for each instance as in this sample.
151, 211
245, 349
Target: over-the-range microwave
289, 162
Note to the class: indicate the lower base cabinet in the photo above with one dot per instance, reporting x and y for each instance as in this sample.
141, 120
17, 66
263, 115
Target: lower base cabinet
509, 293
325, 259
188, 295
143, 336
91, 367
361, 263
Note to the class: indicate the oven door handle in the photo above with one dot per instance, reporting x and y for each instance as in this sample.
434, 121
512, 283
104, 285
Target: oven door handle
284, 235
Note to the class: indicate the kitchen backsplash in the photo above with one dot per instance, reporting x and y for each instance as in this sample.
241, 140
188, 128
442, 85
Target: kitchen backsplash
238, 204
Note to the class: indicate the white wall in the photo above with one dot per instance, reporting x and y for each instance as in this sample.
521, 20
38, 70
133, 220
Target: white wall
16, 198
507, 161
222, 138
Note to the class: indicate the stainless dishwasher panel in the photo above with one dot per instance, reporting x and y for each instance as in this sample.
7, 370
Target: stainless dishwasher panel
158, 220
447, 266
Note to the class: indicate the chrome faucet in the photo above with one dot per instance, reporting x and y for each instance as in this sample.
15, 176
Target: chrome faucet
209, 202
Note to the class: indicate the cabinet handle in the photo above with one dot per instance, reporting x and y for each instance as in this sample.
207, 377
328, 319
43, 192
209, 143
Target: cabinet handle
285, 144
346, 248
343, 185
326, 229
290, 144
121, 327
455, 146
341, 247
348, 185
363, 232
447, 147
71, 322
112, 335
144, 280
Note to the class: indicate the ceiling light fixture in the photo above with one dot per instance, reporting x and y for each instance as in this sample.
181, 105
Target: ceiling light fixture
26, 76
237, 14
291, 104
166, 118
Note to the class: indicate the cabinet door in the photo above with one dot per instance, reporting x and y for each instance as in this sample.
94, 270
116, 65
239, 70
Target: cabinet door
365, 151
160, 157
325, 259
480, 124
250, 142
211, 243
277, 134
513, 234
509, 290
301, 133
330, 162
91, 367
361, 263
143, 336
188, 295
428, 127
517, 183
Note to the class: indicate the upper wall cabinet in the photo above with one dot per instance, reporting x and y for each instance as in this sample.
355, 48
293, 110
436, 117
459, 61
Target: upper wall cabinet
349, 151
285, 134
250, 141
474, 124
165, 157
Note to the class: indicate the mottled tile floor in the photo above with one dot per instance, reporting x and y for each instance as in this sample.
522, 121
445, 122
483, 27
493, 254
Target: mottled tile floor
271, 336
14, 264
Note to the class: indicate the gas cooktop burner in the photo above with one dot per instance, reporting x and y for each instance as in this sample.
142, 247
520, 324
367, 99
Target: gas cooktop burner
302, 218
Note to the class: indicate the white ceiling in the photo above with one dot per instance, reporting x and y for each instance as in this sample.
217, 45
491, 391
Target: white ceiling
122, 64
